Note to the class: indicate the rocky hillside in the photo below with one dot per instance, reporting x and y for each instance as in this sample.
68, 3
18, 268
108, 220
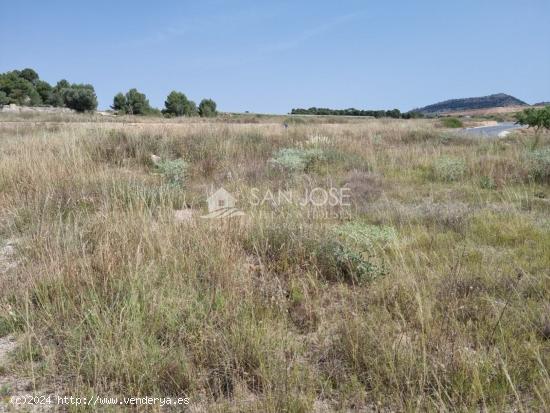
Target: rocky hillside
483, 102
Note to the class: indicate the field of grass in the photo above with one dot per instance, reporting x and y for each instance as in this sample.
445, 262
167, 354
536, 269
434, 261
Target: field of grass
429, 290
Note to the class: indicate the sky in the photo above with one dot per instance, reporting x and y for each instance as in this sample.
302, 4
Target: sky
272, 56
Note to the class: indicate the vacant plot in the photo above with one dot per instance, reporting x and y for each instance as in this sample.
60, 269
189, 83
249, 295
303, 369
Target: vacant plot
423, 285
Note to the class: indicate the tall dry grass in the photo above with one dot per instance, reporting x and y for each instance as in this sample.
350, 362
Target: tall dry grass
279, 313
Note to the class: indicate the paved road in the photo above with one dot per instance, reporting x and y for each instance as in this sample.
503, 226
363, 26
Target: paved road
492, 131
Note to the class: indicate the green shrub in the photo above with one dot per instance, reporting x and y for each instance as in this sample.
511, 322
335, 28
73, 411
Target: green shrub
336, 260
173, 171
285, 243
366, 236
451, 123
449, 169
539, 164
351, 252
297, 160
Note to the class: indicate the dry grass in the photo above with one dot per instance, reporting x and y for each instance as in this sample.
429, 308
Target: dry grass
278, 314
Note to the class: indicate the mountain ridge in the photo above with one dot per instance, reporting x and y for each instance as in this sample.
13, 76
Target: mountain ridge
462, 104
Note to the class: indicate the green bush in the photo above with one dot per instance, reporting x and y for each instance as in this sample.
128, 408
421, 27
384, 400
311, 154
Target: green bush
451, 123
285, 243
173, 171
335, 260
449, 169
353, 251
297, 160
366, 236
539, 164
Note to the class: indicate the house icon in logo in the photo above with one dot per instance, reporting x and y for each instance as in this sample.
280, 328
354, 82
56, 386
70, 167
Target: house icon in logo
221, 204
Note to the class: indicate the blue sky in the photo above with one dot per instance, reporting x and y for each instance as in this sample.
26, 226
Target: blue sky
271, 56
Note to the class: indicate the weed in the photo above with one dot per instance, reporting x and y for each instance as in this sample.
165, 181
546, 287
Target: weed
297, 160
173, 171
449, 169
451, 123
539, 164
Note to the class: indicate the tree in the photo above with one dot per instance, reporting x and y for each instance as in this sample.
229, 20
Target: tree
395, 113
57, 98
191, 109
29, 74
3, 98
177, 104
535, 118
18, 89
136, 103
79, 97
119, 103
133, 103
24, 87
207, 108
62, 84
45, 91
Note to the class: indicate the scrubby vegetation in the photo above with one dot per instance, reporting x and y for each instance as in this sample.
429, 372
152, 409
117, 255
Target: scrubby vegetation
428, 290
451, 123
449, 168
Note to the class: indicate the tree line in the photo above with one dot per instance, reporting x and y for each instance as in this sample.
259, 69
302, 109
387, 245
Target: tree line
394, 113
25, 88
134, 102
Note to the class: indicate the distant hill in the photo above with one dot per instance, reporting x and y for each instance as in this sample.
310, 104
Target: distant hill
542, 104
483, 102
